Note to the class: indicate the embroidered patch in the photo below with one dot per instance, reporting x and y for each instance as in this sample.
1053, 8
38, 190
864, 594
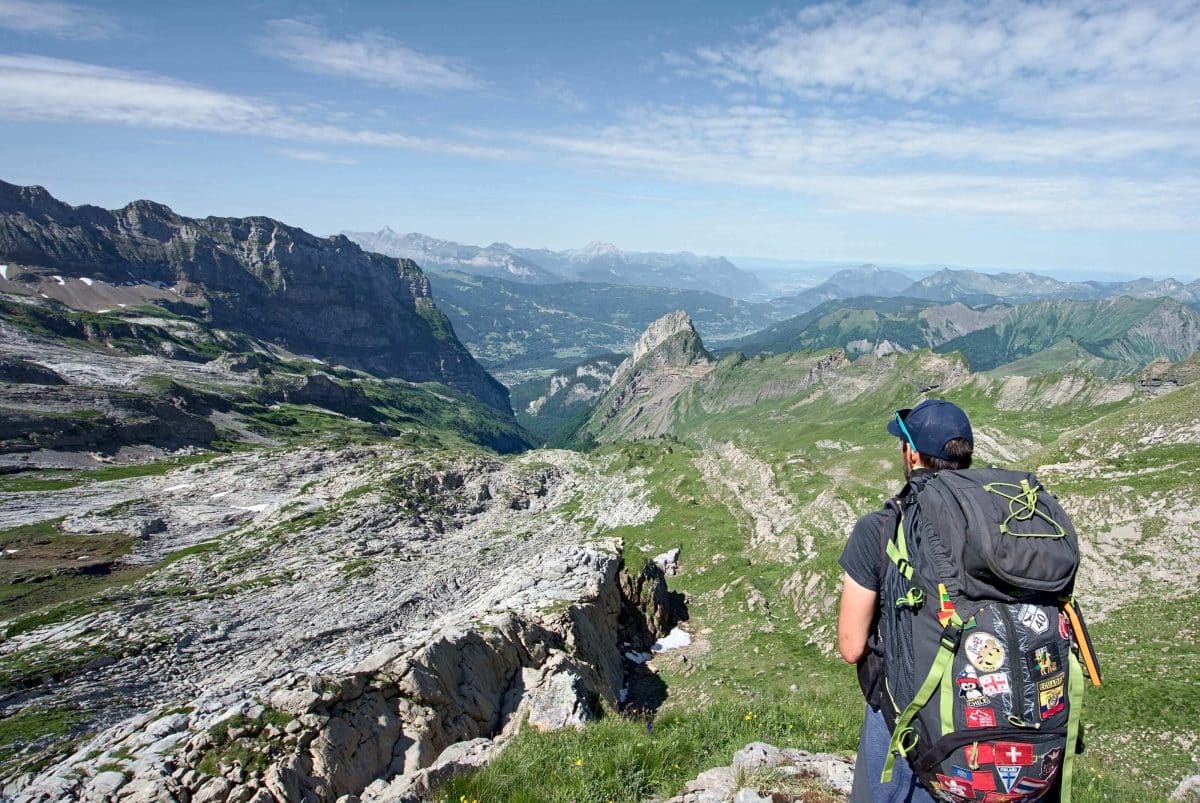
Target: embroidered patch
1000, 797
1050, 695
984, 781
957, 787
984, 651
1050, 763
1034, 618
995, 683
980, 717
1008, 775
1064, 627
979, 754
965, 774
1044, 660
968, 690
1030, 786
946, 611
1013, 753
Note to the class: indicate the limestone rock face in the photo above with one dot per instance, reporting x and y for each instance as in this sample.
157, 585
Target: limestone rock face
319, 296
668, 358
738, 781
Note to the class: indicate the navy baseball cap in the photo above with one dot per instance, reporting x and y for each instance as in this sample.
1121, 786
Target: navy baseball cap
930, 425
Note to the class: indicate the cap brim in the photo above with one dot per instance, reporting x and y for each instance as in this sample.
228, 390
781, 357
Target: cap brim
893, 428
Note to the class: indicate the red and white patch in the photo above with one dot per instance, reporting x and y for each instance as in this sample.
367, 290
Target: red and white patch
995, 683
980, 717
957, 786
1013, 753
1064, 627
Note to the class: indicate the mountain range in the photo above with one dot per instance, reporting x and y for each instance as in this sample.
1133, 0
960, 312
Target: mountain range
323, 297
596, 262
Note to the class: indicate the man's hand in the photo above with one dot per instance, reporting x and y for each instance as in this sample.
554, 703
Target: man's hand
854, 619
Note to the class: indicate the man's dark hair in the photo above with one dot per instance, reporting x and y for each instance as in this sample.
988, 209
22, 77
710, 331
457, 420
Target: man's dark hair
958, 453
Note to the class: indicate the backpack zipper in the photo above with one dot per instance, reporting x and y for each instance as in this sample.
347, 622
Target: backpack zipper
1016, 717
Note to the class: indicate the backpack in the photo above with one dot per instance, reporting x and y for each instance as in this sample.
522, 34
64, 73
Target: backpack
982, 683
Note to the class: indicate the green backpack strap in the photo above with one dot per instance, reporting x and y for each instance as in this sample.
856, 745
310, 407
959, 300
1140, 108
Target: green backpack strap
904, 737
1075, 692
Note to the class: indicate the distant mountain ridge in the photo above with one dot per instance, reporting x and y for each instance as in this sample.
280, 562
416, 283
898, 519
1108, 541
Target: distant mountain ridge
972, 285
596, 262
320, 296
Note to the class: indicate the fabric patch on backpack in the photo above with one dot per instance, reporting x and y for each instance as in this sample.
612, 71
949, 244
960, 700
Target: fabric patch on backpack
1034, 618
1051, 762
1064, 627
980, 717
1000, 797
969, 691
1050, 695
1009, 773
985, 651
995, 684
957, 787
1013, 753
1044, 660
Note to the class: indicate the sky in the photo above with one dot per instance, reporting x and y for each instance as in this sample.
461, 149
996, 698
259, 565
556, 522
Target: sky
1062, 137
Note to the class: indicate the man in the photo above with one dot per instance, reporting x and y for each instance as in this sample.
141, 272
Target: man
934, 436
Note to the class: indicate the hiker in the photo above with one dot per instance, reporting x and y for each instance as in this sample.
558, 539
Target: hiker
943, 438
956, 609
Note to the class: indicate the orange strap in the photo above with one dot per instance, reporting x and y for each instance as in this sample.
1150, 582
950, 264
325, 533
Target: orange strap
1084, 642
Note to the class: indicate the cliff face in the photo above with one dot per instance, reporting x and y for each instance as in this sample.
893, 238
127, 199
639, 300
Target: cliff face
667, 358
319, 296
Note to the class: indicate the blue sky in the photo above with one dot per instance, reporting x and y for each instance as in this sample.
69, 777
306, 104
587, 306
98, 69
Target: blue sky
1055, 136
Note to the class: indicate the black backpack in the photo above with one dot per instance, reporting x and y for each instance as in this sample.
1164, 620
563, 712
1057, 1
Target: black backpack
982, 685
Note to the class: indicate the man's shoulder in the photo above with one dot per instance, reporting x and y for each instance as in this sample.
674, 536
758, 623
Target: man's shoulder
874, 520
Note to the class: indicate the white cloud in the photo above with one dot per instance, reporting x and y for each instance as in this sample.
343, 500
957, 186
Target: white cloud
65, 20
370, 57
315, 156
1047, 176
560, 93
1025, 56
56, 90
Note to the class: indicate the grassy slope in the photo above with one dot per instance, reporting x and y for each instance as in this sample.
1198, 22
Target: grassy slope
1142, 731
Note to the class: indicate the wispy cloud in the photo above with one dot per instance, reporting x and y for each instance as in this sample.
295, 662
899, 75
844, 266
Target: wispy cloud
315, 156
560, 93
46, 89
65, 20
1027, 56
370, 57
1048, 176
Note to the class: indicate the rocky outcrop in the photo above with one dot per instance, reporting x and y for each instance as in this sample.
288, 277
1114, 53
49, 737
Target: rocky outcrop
349, 615
70, 418
21, 371
762, 773
319, 296
667, 359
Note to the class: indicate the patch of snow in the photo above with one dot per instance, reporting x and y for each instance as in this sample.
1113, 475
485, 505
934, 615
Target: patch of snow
672, 641
121, 306
83, 557
102, 311
179, 487
638, 657
219, 494
252, 508
86, 281
59, 279
4, 271
11, 551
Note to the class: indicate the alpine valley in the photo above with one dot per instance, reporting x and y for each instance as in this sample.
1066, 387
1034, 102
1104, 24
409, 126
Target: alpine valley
273, 529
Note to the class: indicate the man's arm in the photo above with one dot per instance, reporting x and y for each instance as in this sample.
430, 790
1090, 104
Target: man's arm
854, 619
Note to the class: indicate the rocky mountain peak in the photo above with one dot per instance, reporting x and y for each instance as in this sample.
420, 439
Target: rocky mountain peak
598, 250
673, 325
